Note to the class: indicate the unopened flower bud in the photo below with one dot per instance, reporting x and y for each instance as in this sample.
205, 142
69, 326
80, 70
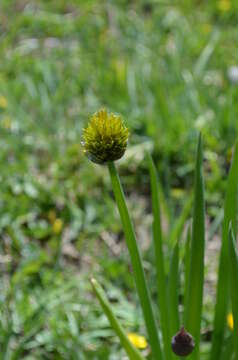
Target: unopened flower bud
105, 138
182, 343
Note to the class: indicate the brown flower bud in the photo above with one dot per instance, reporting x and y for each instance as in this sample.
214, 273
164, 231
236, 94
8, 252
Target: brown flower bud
182, 343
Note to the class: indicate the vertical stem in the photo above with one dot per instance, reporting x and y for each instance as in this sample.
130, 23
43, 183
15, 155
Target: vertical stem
159, 260
173, 286
193, 310
186, 271
136, 261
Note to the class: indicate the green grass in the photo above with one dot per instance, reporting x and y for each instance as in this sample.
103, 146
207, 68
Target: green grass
163, 66
194, 297
138, 271
167, 295
230, 215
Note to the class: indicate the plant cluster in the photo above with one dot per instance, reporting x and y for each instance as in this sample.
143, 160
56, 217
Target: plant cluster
183, 343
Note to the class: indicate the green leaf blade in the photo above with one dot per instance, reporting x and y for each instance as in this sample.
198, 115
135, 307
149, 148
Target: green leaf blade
193, 309
130, 349
173, 286
179, 223
233, 252
186, 270
159, 259
230, 211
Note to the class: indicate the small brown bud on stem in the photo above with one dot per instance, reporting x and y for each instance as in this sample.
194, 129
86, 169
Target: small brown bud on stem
182, 343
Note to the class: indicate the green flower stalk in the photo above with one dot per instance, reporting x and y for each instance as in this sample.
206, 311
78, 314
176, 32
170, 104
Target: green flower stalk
105, 138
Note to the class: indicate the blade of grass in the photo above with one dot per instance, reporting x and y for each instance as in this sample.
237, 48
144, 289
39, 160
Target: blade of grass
138, 270
228, 349
230, 211
196, 272
173, 286
186, 269
165, 211
215, 224
130, 349
179, 224
233, 252
203, 59
159, 259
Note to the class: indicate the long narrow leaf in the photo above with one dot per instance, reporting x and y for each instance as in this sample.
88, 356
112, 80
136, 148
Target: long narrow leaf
186, 269
138, 270
130, 349
179, 223
173, 286
159, 259
165, 210
230, 211
196, 273
233, 252
228, 349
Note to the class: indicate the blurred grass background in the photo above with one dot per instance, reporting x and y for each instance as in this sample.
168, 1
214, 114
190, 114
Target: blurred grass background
168, 68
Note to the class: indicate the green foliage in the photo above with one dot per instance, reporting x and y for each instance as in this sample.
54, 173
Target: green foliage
193, 307
233, 283
131, 350
194, 270
230, 215
53, 316
136, 261
159, 259
173, 292
164, 66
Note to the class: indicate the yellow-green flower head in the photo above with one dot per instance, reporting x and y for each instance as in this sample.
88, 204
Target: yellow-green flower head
105, 138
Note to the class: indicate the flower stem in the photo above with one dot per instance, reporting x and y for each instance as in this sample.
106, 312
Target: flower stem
136, 261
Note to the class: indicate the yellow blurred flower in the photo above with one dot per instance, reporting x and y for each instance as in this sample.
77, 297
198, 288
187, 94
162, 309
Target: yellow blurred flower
3, 102
137, 340
224, 5
230, 321
57, 226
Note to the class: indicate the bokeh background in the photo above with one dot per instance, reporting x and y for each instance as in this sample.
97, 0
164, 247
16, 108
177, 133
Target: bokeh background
169, 67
